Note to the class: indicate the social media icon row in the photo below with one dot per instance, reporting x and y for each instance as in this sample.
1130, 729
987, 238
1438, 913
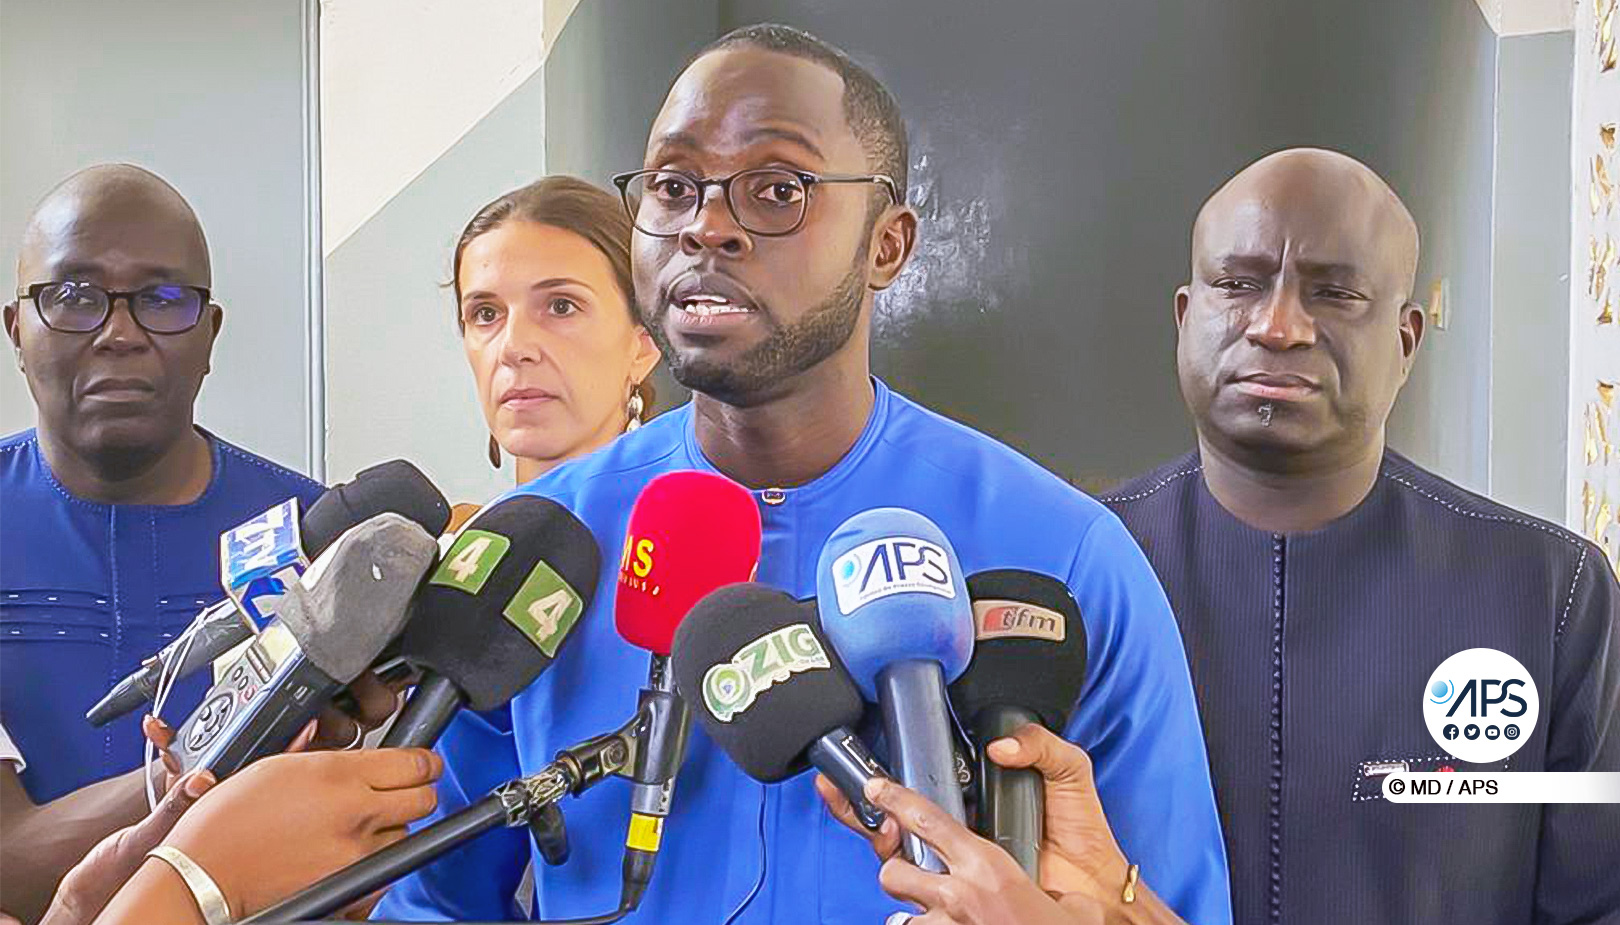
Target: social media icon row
1473, 731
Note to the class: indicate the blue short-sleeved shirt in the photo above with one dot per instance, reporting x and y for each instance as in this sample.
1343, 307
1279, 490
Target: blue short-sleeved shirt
728, 834
88, 590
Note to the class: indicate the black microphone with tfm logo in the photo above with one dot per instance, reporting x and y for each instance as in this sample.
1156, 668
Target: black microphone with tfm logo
1029, 663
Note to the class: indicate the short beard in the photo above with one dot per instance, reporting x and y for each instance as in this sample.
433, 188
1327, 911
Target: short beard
121, 450
785, 352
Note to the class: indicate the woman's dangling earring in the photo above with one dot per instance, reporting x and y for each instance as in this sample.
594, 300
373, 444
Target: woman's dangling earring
633, 408
494, 452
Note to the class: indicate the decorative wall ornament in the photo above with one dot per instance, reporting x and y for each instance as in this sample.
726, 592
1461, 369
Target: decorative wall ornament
1597, 276
1592, 473
1607, 54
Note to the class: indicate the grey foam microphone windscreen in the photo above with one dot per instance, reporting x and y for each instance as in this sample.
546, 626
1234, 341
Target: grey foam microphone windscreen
355, 597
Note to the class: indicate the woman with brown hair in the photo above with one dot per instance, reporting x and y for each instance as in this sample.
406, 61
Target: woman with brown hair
545, 308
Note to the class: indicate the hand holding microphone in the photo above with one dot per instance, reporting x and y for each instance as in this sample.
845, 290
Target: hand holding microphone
688, 533
1029, 664
258, 847
338, 616
87, 887
514, 803
1084, 877
395, 486
489, 620
367, 703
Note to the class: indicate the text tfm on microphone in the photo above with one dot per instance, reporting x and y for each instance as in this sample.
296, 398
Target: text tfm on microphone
1029, 665
1030, 651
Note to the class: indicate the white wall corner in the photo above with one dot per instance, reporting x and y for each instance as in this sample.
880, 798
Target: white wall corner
557, 13
1528, 17
401, 81
1492, 9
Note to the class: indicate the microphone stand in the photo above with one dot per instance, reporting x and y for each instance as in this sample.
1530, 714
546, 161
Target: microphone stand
514, 803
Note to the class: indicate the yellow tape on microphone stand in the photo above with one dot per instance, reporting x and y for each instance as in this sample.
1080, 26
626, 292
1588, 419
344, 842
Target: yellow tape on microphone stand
646, 832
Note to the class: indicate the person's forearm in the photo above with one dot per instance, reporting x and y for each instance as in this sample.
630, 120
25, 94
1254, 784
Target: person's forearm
38, 844
155, 894
1148, 909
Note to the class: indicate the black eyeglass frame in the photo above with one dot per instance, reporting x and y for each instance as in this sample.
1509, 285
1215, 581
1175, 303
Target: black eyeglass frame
702, 184
32, 293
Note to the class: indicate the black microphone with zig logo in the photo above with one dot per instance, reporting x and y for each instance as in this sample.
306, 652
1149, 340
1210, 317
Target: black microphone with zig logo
769, 689
1029, 663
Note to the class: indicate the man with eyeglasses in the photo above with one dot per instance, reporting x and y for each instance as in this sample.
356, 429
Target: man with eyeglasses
113, 504
770, 211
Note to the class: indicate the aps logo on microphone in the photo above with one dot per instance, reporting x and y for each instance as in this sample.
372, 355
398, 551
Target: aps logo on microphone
891, 565
1481, 705
731, 687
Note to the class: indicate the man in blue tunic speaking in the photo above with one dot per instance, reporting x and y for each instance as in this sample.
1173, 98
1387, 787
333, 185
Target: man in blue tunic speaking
759, 288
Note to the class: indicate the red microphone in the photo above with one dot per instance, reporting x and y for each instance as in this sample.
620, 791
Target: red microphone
689, 533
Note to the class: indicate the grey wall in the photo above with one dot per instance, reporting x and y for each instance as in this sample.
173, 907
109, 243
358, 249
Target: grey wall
1530, 356
606, 77
398, 384
1058, 154
209, 94
1061, 151
1411, 90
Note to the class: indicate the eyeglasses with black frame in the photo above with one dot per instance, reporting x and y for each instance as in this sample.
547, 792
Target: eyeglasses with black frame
72, 307
768, 201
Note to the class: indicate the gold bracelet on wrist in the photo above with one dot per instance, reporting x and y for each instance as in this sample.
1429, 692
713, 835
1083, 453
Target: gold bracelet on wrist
1132, 876
210, 901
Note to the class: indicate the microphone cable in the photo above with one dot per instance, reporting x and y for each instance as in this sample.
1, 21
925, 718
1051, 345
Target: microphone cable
607, 919
753, 892
168, 675
764, 861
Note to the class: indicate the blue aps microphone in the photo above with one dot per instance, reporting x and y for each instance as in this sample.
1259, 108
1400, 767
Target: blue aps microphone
893, 603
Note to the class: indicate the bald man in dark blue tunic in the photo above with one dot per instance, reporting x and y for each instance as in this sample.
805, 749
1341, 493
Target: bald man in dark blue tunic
1319, 578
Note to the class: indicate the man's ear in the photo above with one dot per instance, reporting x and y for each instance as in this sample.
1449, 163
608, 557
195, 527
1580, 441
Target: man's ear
894, 243
1413, 319
216, 320
1183, 296
13, 332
